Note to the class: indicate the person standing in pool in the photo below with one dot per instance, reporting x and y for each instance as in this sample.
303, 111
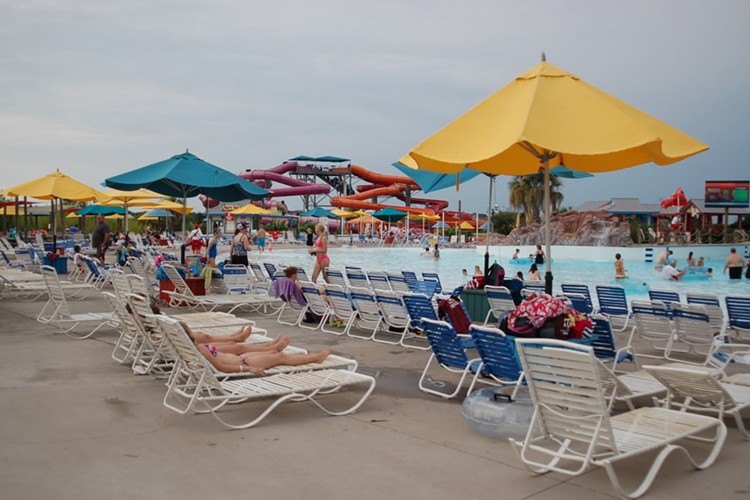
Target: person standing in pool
516, 254
533, 274
734, 264
436, 253
661, 260
538, 255
620, 271
691, 260
669, 272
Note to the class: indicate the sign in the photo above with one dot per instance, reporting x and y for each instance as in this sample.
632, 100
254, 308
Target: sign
730, 194
229, 208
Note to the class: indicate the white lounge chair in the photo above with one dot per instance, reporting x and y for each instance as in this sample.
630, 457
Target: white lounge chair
369, 317
500, 301
200, 390
696, 390
57, 312
571, 429
183, 296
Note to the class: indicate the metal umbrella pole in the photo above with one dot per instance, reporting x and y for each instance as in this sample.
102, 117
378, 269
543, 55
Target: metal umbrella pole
489, 228
547, 229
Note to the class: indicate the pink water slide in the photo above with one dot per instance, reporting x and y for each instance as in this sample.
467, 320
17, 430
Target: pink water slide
265, 178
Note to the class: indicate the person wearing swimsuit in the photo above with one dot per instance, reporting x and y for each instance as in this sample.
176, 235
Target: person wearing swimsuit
213, 247
241, 245
539, 255
320, 250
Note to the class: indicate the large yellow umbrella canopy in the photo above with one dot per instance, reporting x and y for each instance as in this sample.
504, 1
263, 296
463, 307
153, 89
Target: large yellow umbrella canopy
56, 185
174, 207
548, 117
549, 109
147, 217
346, 214
250, 209
466, 225
424, 216
136, 198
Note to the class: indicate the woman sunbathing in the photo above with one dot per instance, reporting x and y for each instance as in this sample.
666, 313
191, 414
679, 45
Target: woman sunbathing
239, 357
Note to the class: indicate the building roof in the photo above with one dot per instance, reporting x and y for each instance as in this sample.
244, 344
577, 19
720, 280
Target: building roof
591, 206
627, 206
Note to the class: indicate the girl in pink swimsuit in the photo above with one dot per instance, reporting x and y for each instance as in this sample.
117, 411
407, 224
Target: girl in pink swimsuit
320, 250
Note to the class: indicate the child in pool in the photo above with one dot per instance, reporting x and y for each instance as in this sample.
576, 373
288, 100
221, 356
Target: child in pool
620, 271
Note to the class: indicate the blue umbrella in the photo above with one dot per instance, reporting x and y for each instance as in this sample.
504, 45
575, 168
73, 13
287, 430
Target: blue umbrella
566, 173
389, 214
439, 225
319, 212
184, 176
432, 181
159, 212
100, 210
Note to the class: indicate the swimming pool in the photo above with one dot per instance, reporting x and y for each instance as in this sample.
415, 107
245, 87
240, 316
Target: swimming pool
641, 274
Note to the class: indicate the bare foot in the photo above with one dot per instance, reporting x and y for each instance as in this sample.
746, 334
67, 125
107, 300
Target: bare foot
322, 355
281, 345
247, 331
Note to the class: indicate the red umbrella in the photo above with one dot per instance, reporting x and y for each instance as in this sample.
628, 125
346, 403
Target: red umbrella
677, 199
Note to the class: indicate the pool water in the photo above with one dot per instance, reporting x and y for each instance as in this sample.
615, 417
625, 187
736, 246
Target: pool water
641, 274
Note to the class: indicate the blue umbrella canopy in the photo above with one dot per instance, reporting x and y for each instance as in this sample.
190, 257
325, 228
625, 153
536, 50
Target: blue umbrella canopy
389, 214
100, 210
159, 212
439, 225
184, 176
319, 212
432, 181
566, 173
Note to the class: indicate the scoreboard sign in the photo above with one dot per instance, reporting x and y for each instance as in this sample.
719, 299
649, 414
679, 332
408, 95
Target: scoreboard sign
729, 194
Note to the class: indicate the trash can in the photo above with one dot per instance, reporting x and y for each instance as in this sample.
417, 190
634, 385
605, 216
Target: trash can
60, 264
476, 303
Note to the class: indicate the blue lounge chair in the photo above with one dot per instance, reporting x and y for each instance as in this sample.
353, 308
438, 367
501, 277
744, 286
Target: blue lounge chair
738, 314
666, 296
433, 277
449, 350
418, 307
410, 277
613, 304
499, 360
604, 345
587, 305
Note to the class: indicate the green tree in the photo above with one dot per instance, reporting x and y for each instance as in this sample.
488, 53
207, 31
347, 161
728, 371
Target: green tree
503, 222
527, 195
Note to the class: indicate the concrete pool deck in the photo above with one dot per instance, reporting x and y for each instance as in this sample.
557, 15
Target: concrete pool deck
75, 424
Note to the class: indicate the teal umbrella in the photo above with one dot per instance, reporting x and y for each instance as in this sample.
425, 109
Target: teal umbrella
100, 210
566, 173
389, 214
433, 181
184, 176
319, 212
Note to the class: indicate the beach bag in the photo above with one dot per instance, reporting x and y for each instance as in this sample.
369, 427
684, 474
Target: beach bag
454, 311
522, 327
495, 275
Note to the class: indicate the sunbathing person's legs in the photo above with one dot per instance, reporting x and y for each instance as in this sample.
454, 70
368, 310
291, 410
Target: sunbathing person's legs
244, 347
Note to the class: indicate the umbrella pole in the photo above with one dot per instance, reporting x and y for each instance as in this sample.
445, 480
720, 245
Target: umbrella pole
184, 210
547, 232
489, 229
24, 214
125, 205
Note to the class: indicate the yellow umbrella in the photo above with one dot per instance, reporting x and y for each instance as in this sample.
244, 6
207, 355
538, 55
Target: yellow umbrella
147, 217
548, 117
250, 209
56, 186
424, 216
137, 198
466, 225
345, 214
72, 215
174, 207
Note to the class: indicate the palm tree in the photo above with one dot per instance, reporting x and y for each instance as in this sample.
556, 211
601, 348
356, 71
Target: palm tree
527, 195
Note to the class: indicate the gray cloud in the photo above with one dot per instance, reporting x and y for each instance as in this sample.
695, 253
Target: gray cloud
98, 88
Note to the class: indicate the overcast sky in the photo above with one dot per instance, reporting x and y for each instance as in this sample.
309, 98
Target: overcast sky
97, 88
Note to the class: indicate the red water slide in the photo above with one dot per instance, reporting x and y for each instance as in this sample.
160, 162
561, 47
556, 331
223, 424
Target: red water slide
264, 178
385, 185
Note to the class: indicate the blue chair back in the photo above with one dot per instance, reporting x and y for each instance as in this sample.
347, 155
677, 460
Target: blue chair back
356, 278
445, 344
409, 276
425, 287
587, 306
498, 352
738, 311
666, 296
612, 300
418, 306
602, 339
433, 277
270, 269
